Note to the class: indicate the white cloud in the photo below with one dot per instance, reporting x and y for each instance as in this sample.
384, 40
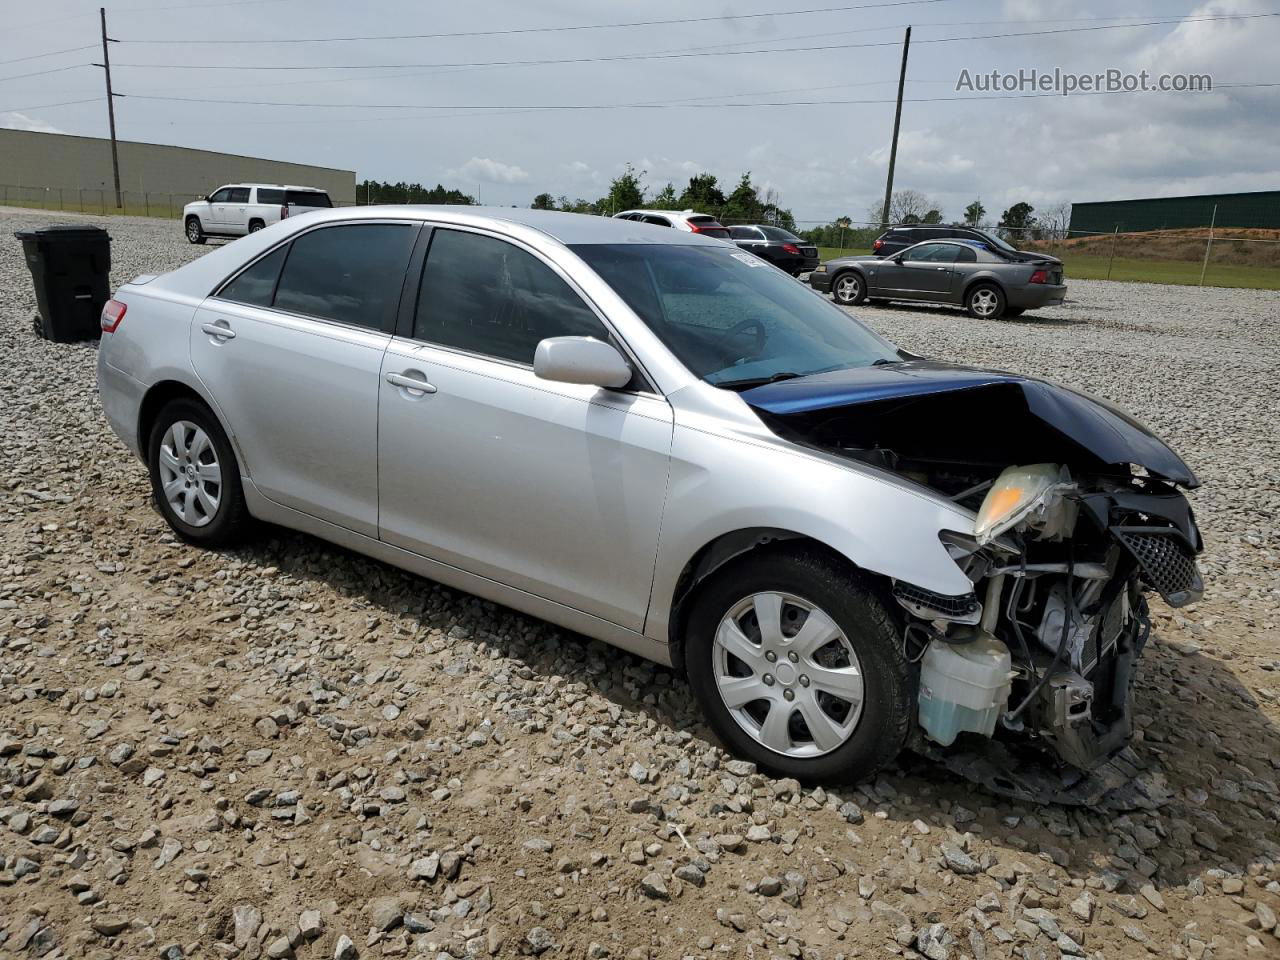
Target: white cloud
489, 171
20, 121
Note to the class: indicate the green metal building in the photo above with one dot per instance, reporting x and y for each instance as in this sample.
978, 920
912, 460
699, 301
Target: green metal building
1260, 209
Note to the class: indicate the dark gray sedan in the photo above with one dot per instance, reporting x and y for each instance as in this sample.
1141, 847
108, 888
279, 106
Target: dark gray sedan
988, 284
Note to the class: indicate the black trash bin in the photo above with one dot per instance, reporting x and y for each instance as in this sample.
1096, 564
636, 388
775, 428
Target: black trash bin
70, 266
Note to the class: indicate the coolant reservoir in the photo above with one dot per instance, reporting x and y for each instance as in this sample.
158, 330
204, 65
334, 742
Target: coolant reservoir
963, 687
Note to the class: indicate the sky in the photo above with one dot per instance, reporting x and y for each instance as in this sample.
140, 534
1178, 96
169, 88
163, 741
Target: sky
419, 109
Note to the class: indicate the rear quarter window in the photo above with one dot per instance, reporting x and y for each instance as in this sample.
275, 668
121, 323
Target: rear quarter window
307, 198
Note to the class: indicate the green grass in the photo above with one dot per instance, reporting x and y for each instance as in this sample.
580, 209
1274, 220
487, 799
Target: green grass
829, 253
1184, 272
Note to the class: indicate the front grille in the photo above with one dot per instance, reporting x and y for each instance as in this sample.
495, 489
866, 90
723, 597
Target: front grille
1167, 563
937, 606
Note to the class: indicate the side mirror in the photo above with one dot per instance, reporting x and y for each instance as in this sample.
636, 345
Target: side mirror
583, 360
897, 258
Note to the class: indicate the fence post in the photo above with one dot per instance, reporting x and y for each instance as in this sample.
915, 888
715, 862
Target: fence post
1213, 222
146, 201
102, 197
1114, 236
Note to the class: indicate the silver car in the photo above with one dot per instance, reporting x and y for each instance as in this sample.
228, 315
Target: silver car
990, 282
657, 440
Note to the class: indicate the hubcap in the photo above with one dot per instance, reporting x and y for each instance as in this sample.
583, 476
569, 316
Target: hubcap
190, 474
847, 287
788, 675
984, 302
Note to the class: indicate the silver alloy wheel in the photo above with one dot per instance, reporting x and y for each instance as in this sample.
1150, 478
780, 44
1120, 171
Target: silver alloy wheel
193, 229
788, 675
984, 302
190, 474
847, 287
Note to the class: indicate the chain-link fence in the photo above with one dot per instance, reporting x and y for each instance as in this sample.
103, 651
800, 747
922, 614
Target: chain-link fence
1219, 256
102, 201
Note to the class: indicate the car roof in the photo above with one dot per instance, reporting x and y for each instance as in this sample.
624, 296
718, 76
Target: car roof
534, 227
275, 186
663, 213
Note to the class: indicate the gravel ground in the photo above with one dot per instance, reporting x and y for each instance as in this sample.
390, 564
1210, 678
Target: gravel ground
288, 750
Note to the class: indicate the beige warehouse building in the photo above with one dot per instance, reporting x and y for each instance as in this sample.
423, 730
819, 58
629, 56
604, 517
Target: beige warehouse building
58, 162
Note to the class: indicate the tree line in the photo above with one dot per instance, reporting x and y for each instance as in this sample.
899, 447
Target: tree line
746, 202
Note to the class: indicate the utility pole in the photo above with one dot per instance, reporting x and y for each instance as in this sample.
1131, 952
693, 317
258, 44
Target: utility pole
111, 107
897, 120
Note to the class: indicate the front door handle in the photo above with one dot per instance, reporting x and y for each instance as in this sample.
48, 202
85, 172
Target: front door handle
414, 384
219, 330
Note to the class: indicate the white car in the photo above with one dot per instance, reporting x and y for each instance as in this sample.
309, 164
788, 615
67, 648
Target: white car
686, 220
242, 208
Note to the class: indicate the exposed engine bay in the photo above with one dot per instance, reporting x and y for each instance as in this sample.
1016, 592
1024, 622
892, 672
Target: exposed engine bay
1078, 516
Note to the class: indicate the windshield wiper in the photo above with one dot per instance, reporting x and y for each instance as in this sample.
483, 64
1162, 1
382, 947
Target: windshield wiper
749, 382
885, 361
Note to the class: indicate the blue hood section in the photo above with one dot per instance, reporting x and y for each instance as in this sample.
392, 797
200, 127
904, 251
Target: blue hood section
1102, 430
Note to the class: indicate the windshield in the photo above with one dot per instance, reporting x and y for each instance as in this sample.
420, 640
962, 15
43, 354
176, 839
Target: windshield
729, 317
999, 243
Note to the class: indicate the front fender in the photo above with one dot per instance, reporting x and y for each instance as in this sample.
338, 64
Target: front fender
721, 484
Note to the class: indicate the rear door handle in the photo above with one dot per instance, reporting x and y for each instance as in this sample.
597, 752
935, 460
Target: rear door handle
219, 330
414, 384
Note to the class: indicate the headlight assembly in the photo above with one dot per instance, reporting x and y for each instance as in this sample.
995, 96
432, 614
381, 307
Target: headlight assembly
1032, 494
820, 268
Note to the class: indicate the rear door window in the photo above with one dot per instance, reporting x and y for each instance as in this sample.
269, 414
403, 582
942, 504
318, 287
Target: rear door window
272, 195
238, 195
487, 296
352, 273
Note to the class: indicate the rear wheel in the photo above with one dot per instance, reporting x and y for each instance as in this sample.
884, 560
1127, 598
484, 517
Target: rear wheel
848, 289
255, 226
195, 232
194, 475
985, 301
798, 667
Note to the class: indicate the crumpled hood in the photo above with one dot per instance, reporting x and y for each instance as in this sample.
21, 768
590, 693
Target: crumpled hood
1095, 426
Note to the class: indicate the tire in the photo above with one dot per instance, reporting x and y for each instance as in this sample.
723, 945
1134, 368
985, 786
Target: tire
859, 740
985, 301
195, 231
255, 226
849, 288
1014, 311
188, 461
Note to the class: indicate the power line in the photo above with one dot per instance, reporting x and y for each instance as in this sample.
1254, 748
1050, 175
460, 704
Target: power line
679, 56
51, 53
47, 106
41, 73
656, 105
561, 29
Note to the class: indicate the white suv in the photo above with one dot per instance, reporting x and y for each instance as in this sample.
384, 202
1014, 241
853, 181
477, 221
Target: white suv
686, 220
240, 208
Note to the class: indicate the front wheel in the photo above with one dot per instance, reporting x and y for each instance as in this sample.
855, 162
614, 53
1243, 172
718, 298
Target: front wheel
195, 477
798, 667
985, 301
849, 289
195, 232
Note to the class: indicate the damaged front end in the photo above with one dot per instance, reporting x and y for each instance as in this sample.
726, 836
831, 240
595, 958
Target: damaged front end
1038, 661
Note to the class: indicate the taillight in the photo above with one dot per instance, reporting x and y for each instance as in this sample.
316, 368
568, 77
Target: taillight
1039, 276
695, 228
112, 314
877, 245
284, 212
790, 248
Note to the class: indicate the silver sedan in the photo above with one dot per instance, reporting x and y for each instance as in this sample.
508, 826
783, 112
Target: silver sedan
660, 441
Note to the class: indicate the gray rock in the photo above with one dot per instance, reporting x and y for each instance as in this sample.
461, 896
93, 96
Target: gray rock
539, 941
344, 949
247, 919
652, 885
